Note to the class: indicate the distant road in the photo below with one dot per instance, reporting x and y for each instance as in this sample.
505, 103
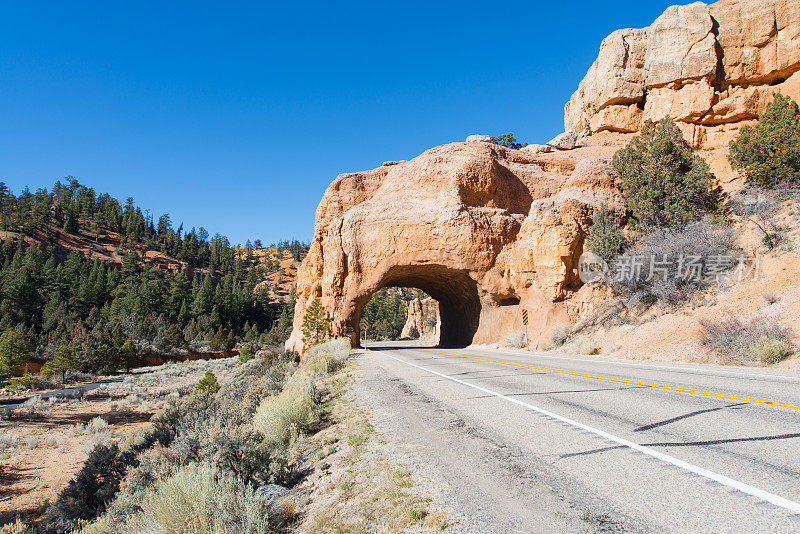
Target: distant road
583, 443
66, 392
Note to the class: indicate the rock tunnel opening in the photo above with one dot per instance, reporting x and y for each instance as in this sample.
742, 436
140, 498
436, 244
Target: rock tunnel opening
453, 289
401, 314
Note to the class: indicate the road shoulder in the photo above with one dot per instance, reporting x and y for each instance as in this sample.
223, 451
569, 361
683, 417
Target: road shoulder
483, 485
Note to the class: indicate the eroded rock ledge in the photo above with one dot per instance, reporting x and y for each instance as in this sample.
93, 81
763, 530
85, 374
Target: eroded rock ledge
712, 68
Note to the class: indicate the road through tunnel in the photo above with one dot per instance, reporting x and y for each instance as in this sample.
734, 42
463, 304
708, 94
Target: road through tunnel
453, 289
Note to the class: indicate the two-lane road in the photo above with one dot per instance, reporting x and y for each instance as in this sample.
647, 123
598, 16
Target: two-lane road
646, 446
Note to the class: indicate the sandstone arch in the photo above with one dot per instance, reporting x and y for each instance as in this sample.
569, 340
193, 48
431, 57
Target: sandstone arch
483, 229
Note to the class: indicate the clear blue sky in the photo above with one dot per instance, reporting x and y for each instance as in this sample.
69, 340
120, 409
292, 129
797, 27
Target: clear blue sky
237, 115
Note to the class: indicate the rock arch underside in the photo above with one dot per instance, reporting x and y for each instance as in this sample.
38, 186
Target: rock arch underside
488, 230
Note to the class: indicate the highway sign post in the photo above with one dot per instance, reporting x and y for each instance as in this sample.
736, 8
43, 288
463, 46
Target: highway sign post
364, 326
525, 322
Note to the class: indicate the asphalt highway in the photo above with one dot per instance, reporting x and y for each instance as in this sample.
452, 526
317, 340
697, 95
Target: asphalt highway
647, 446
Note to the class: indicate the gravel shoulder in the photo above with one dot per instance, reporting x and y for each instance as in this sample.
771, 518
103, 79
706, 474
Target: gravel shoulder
482, 484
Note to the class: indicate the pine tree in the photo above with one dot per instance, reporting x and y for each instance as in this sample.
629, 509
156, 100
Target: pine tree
316, 324
230, 341
204, 300
183, 314
63, 360
208, 384
14, 351
173, 338
664, 182
218, 341
128, 355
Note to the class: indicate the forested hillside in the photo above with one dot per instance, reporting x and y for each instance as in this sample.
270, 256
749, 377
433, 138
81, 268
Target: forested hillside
387, 311
89, 272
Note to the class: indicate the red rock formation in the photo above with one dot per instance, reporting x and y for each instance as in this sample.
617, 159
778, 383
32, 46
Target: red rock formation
487, 230
709, 67
481, 228
422, 316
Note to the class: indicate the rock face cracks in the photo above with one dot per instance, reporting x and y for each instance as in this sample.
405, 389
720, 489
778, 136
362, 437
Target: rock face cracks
483, 229
709, 67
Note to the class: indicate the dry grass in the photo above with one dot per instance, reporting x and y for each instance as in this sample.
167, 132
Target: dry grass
354, 487
281, 418
754, 341
516, 339
559, 334
17, 527
582, 345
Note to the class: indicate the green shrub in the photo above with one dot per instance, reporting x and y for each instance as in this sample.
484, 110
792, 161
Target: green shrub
282, 417
26, 381
199, 500
768, 351
769, 152
246, 354
605, 238
208, 384
664, 182
507, 140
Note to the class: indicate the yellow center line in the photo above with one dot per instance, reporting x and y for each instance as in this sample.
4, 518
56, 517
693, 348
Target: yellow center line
627, 381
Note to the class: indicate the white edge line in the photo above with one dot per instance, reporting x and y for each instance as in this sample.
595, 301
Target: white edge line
644, 365
722, 479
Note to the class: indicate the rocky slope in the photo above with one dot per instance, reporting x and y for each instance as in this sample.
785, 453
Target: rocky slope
712, 68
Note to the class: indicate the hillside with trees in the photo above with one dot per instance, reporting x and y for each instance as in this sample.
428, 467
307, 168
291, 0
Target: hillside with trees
85, 271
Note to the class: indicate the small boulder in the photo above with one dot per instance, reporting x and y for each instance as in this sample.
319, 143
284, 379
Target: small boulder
536, 149
479, 139
564, 141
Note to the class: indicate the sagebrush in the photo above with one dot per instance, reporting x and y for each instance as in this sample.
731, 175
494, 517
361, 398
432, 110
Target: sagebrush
747, 341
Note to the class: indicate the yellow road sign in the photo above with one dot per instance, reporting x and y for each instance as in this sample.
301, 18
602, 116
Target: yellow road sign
364, 323
525, 317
